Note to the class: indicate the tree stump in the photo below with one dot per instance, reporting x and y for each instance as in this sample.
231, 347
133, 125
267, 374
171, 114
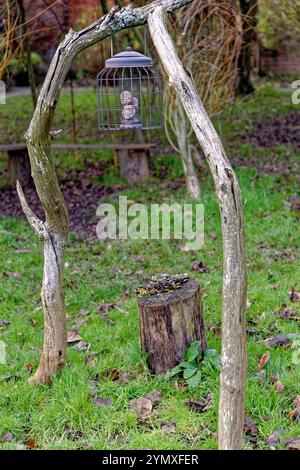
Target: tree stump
133, 164
171, 319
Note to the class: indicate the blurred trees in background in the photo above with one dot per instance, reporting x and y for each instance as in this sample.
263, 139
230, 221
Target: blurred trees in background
248, 10
279, 24
207, 36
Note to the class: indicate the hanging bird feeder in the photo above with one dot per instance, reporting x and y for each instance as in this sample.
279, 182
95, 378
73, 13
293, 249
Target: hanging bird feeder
129, 93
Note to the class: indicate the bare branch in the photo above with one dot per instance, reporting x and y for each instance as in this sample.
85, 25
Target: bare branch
37, 224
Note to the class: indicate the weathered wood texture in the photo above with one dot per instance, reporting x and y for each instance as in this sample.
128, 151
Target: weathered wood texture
234, 356
169, 323
54, 231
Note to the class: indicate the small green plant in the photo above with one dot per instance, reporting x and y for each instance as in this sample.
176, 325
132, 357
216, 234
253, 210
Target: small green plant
194, 361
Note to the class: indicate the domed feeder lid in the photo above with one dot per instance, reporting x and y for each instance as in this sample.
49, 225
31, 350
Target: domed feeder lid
128, 58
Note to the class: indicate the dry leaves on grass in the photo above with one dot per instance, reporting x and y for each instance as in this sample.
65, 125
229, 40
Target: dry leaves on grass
81, 346
200, 267
4, 323
155, 397
169, 427
98, 401
73, 337
143, 406
264, 360
274, 341
289, 315
279, 386
273, 440
294, 295
293, 443
250, 427
202, 405
8, 437
113, 374
295, 413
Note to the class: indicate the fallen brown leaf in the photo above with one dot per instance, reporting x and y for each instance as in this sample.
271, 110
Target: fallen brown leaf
113, 374
142, 407
293, 443
275, 341
31, 443
295, 413
90, 360
250, 427
200, 267
200, 406
124, 378
81, 346
263, 360
8, 437
106, 402
294, 295
279, 386
29, 367
73, 337
274, 439
4, 323
155, 397
169, 427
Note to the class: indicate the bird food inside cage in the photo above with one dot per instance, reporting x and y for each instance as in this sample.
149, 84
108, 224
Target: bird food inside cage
130, 105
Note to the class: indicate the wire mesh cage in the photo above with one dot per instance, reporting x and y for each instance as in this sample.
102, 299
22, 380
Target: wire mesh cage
129, 93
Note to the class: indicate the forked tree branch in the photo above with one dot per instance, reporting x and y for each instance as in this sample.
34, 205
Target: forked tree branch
38, 139
36, 224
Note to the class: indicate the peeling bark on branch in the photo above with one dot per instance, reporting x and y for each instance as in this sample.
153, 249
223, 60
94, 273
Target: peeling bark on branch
233, 372
54, 230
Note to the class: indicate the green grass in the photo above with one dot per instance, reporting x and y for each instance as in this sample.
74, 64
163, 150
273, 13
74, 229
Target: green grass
64, 416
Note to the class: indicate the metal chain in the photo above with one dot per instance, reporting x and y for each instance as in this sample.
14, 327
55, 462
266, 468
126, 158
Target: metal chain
145, 40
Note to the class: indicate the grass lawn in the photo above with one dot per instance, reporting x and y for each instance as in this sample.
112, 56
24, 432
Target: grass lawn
66, 415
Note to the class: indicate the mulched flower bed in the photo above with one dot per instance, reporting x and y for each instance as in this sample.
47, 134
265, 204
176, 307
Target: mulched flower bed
284, 130
81, 195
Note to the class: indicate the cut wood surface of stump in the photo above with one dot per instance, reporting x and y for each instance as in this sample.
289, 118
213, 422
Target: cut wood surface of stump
171, 319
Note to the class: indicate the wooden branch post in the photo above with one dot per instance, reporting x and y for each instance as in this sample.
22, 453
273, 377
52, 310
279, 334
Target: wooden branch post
234, 356
171, 319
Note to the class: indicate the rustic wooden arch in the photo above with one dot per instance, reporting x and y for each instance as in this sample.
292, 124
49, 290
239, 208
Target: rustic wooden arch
54, 231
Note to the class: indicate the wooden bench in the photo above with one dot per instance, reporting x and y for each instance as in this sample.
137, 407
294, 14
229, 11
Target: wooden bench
132, 159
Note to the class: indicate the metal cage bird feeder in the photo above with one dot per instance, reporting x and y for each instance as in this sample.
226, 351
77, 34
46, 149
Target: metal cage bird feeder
129, 93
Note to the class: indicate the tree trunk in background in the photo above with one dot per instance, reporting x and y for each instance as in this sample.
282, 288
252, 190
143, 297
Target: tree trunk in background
249, 10
192, 180
27, 52
234, 353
